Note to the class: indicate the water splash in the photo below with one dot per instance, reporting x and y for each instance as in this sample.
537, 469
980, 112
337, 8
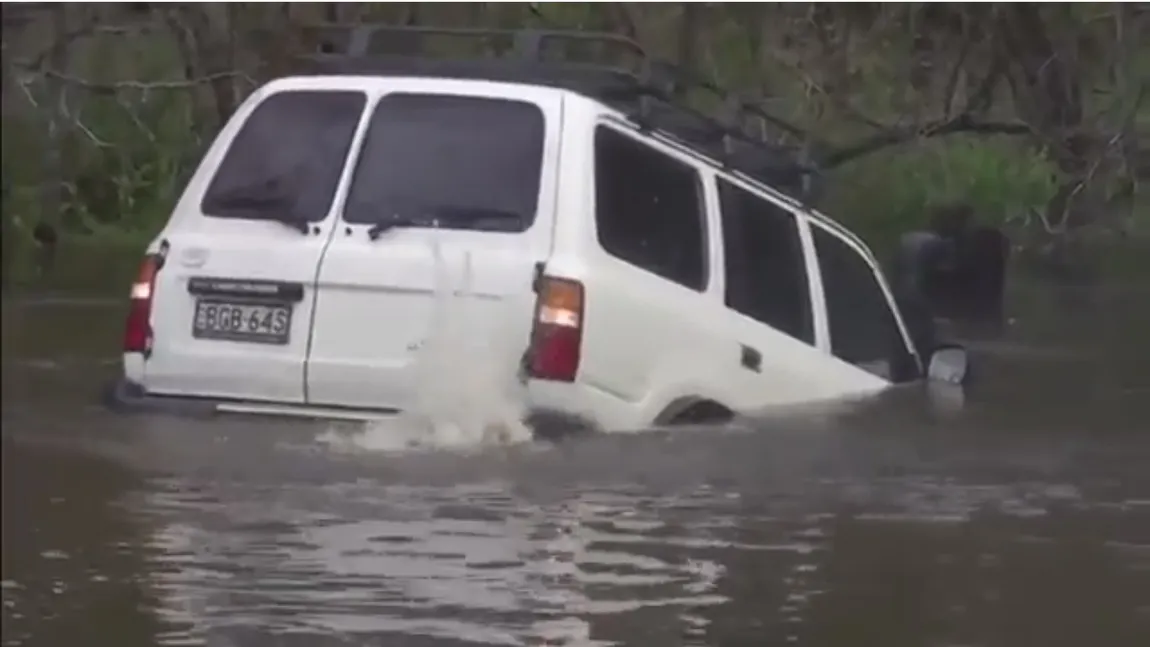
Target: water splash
466, 392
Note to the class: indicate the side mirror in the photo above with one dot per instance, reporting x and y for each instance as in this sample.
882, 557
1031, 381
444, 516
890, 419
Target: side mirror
949, 364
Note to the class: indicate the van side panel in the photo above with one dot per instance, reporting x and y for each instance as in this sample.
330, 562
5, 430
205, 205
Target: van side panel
649, 342
644, 335
794, 371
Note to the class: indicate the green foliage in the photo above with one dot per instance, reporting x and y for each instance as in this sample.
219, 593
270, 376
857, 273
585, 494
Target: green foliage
124, 155
836, 71
122, 158
89, 265
892, 191
128, 183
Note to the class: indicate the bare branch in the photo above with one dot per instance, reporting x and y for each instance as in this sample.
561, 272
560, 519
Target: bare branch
116, 86
88, 29
74, 116
982, 97
955, 72
185, 42
1081, 185
623, 17
842, 103
961, 124
410, 14
535, 10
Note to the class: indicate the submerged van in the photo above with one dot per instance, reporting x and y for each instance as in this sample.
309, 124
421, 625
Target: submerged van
628, 272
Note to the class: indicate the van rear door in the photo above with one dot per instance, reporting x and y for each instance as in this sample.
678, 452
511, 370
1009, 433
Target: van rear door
234, 301
453, 192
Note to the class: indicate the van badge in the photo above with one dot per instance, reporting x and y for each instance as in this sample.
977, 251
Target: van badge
193, 257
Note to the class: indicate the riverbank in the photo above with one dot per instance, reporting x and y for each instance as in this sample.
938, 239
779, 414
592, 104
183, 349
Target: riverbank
83, 266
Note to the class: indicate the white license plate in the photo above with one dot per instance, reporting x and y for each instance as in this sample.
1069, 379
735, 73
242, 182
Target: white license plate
260, 323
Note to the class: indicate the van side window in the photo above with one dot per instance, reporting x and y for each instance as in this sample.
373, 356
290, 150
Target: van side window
766, 270
649, 209
863, 327
269, 174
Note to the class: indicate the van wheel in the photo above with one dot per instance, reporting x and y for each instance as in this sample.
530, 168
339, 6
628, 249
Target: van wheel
698, 412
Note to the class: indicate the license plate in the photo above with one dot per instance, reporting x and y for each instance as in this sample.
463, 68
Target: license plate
260, 323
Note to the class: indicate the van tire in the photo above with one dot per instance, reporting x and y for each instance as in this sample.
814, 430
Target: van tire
693, 411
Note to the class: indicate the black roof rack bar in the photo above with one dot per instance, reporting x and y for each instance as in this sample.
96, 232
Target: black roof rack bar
646, 91
529, 44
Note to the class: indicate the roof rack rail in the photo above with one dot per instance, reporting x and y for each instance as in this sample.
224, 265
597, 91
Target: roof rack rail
649, 91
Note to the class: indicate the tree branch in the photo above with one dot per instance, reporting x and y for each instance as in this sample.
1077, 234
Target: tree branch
113, 87
955, 71
964, 122
88, 29
961, 124
839, 102
624, 19
982, 97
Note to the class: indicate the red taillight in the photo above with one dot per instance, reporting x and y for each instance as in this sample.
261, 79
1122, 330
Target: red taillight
138, 329
558, 336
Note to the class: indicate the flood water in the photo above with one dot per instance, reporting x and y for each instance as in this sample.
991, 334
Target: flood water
1020, 519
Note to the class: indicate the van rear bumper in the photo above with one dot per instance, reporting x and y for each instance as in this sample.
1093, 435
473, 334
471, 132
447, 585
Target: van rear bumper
126, 396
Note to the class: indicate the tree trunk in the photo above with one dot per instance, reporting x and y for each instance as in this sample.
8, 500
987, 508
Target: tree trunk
688, 45
1047, 95
51, 163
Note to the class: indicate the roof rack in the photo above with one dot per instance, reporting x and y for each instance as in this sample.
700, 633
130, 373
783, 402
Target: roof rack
648, 91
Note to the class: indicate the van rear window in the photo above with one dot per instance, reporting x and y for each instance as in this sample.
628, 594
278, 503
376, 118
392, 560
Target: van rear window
286, 160
450, 161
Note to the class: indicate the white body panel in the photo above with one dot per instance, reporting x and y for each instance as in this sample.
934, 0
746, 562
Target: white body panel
238, 249
377, 299
183, 365
649, 345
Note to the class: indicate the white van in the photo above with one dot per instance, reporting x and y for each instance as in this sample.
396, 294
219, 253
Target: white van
631, 279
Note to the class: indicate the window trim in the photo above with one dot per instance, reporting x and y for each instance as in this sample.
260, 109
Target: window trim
697, 168
876, 273
807, 216
814, 297
240, 123
804, 218
356, 157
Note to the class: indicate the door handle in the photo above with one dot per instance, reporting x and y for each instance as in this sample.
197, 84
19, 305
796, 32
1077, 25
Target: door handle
752, 359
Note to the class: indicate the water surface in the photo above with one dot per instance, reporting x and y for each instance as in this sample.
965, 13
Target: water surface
1021, 518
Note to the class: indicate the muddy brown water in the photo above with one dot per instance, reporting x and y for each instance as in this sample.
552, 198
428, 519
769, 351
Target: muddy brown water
1020, 518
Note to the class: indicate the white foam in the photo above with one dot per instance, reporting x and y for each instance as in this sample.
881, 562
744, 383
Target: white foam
467, 394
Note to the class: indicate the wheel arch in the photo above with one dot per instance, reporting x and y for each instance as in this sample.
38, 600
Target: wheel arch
693, 409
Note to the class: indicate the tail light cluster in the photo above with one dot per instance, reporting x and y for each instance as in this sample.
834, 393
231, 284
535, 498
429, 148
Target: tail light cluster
557, 339
138, 328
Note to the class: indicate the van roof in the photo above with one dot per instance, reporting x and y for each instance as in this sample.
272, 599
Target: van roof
646, 91
647, 97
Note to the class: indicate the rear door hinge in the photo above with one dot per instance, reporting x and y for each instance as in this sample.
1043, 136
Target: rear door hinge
537, 278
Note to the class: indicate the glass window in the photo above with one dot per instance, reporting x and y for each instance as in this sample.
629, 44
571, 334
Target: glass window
286, 160
649, 209
456, 161
765, 267
863, 327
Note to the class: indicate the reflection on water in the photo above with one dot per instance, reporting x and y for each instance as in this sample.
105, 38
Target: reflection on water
470, 563
1021, 519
